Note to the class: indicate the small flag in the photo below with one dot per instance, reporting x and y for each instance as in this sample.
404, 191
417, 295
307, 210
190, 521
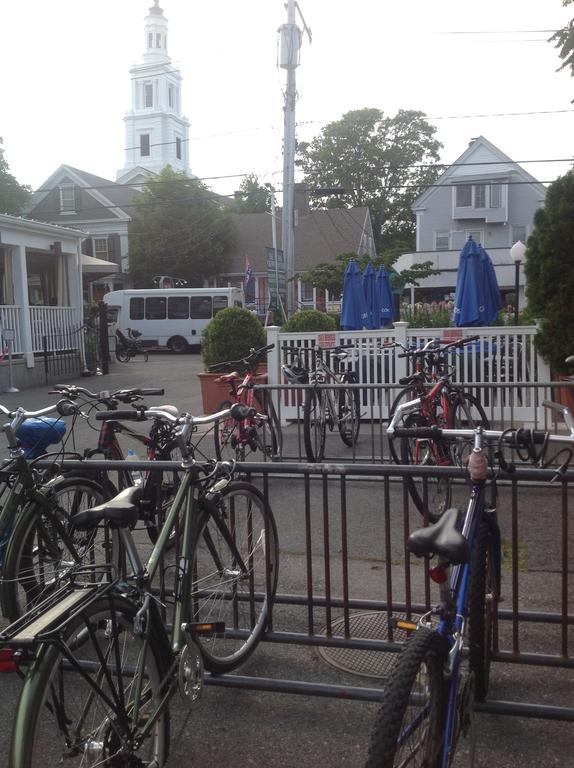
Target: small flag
248, 276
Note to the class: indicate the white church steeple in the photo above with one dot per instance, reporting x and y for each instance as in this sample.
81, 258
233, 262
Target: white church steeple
157, 134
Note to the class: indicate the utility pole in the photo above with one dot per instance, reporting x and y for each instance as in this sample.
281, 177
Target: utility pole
291, 37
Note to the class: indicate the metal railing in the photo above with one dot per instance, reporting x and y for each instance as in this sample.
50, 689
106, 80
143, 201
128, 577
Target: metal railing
344, 575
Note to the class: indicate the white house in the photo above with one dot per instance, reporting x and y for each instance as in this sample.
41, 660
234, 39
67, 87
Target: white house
40, 285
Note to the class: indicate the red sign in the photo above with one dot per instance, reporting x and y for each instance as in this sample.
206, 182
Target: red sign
327, 340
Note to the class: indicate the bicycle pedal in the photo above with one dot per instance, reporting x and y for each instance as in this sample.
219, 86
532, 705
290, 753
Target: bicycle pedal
209, 628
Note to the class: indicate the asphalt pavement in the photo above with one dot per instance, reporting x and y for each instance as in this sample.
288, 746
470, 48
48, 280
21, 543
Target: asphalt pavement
271, 730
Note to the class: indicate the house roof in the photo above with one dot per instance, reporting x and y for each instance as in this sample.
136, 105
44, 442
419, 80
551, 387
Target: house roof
320, 236
490, 161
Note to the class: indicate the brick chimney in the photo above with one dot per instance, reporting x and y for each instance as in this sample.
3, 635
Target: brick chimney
300, 201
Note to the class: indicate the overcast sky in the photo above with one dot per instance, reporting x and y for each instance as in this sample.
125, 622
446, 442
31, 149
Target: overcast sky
65, 84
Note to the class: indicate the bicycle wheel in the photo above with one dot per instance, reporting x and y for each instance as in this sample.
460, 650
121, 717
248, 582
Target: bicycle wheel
349, 415
466, 412
482, 609
267, 432
122, 354
404, 396
314, 424
44, 546
430, 495
235, 567
88, 717
409, 727
225, 436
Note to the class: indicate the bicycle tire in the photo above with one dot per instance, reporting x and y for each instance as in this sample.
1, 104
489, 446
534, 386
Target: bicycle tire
235, 542
419, 672
268, 432
410, 392
349, 414
224, 435
416, 452
160, 489
482, 609
314, 425
122, 355
37, 560
58, 705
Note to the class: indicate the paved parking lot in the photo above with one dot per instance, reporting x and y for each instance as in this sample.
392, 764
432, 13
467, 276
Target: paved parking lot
241, 727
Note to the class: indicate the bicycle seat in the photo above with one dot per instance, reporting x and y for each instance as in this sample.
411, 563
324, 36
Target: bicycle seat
414, 378
569, 360
443, 538
171, 409
121, 511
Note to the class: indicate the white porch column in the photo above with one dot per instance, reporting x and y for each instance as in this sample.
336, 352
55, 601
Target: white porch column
76, 289
20, 278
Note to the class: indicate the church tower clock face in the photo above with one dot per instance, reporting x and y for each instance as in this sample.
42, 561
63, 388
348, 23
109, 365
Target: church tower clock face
156, 131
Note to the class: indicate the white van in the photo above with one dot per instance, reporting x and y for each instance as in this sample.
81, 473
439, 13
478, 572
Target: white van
169, 317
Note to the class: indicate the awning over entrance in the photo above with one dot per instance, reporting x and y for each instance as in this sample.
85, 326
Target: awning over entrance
94, 268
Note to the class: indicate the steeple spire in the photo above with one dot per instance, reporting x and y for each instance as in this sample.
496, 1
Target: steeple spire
155, 35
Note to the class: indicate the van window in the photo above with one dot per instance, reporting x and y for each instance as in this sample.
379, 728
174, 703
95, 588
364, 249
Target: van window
178, 308
136, 309
200, 307
219, 302
155, 308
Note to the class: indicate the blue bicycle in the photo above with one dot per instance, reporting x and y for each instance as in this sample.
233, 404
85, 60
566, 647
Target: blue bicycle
430, 697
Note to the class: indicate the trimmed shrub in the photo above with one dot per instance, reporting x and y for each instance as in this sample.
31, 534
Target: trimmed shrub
231, 335
309, 320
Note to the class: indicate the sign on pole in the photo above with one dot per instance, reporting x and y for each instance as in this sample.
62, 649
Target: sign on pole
276, 276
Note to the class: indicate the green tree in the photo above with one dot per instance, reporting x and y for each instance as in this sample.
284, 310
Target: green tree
252, 197
549, 270
13, 196
381, 162
179, 228
563, 39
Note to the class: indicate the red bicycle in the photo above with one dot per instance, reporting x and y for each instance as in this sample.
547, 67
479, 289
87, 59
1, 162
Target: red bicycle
261, 432
443, 404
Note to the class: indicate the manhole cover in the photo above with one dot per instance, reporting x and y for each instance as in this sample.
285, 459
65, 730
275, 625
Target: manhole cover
373, 625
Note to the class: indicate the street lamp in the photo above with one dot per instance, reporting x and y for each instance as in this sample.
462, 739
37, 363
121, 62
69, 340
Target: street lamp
517, 254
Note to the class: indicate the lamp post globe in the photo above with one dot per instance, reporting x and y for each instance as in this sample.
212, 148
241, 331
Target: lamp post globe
517, 254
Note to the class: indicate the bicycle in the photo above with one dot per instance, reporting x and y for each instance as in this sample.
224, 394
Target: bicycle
103, 670
443, 404
429, 700
38, 545
326, 406
126, 348
236, 440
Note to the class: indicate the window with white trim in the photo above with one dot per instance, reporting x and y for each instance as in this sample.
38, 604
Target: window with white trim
476, 235
67, 198
495, 195
518, 233
480, 196
307, 293
148, 94
464, 195
442, 241
150, 40
101, 248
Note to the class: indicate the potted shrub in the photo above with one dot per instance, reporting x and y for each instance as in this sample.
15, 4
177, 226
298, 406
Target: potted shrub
231, 335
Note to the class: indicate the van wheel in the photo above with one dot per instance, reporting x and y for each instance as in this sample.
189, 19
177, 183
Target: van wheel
178, 345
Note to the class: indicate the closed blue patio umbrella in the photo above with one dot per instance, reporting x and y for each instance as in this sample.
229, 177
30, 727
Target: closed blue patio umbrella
477, 299
371, 297
385, 297
354, 310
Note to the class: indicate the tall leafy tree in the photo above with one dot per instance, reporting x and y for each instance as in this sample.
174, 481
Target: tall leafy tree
13, 196
563, 39
252, 197
179, 228
381, 162
549, 270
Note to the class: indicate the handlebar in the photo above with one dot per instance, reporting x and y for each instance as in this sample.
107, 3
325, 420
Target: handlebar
238, 411
72, 390
254, 355
433, 347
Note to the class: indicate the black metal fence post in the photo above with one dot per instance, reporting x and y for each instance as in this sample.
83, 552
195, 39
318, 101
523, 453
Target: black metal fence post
45, 353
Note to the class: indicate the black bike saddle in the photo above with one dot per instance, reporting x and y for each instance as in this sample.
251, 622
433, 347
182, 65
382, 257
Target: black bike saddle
443, 538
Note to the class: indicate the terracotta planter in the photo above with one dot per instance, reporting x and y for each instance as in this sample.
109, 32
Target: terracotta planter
564, 395
213, 392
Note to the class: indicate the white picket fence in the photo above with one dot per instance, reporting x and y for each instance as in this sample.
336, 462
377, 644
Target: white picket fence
58, 324
504, 358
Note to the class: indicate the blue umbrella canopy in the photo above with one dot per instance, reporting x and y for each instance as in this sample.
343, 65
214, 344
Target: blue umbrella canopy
477, 299
385, 297
371, 297
354, 310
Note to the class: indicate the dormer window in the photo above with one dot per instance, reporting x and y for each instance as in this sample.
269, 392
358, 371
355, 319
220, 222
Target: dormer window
67, 198
478, 195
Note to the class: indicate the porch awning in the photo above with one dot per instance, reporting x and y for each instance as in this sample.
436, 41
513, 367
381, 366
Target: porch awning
92, 267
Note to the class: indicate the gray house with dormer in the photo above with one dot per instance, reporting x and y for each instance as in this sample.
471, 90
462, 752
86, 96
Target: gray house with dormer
485, 194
